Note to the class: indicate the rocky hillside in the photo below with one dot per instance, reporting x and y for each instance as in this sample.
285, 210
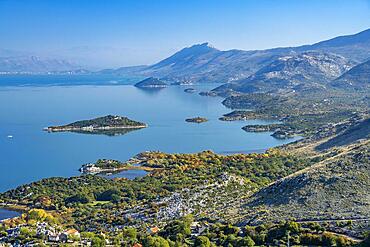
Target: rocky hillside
335, 188
296, 72
356, 78
351, 134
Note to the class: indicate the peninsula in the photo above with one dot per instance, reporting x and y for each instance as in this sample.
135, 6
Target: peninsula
109, 122
110, 165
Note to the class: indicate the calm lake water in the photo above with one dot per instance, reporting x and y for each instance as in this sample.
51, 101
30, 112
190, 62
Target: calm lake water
31, 154
6, 214
130, 174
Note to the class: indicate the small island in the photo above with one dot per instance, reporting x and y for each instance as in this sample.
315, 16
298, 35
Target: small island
151, 82
196, 120
280, 131
189, 90
106, 123
210, 94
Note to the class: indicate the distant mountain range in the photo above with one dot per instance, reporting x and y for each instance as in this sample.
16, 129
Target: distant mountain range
246, 71
204, 63
34, 64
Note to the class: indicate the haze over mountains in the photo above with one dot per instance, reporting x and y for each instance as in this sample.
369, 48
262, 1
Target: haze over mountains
248, 71
34, 64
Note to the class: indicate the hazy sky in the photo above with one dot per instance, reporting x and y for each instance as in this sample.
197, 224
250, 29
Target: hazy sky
120, 33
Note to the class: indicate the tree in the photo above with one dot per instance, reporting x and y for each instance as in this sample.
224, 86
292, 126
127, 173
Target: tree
109, 195
316, 227
230, 229
328, 239
246, 241
35, 215
97, 242
115, 198
73, 238
129, 235
179, 228
156, 241
78, 198
202, 241
292, 226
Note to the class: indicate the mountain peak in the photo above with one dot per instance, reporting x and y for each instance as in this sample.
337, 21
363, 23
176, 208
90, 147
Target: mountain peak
187, 56
203, 47
205, 44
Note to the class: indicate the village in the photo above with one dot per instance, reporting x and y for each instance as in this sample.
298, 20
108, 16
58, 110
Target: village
49, 235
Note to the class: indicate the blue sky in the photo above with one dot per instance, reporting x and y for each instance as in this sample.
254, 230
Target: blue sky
144, 31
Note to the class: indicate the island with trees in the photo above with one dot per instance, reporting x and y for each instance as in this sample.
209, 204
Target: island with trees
196, 120
151, 82
190, 90
106, 123
209, 93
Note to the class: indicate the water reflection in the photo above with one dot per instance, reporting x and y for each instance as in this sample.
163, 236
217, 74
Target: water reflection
111, 132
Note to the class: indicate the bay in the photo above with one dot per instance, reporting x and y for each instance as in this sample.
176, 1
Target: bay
27, 153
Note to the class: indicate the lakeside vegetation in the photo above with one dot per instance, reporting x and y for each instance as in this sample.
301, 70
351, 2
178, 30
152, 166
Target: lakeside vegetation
177, 171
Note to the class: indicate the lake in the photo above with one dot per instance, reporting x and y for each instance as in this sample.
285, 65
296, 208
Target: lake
27, 153
7, 214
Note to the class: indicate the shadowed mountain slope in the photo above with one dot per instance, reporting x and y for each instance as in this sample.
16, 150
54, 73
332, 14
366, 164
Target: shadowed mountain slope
356, 78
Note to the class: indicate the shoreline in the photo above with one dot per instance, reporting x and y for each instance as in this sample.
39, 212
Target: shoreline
127, 168
14, 208
63, 129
